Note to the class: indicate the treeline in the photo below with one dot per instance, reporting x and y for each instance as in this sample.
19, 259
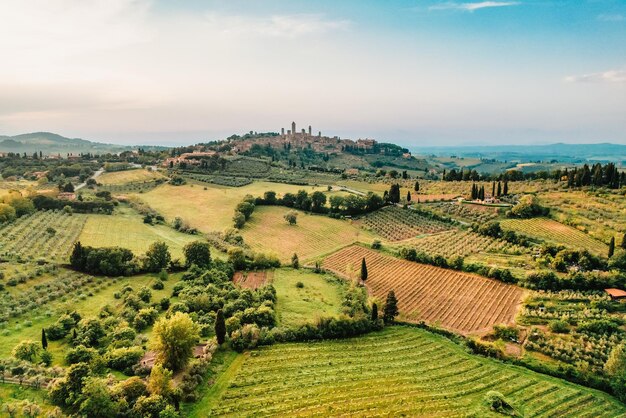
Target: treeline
597, 175
97, 205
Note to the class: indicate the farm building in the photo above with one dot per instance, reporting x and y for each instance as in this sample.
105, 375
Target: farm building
616, 294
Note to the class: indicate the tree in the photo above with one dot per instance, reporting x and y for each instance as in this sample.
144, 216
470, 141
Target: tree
246, 208
237, 257
26, 350
623, 245
611, 247
318, 201
157, 257
77, 258
239, 220
391, 308
417, 186
198, 253
408, 196
220, 327
160, 381
616, 363
363, 270
505, 191
174, 339
499, 192
291, 217
394, 193
374, 312
44, 340
7, 213
97, 401
295, 263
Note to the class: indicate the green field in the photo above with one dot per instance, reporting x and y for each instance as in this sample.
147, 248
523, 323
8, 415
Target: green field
399, 371
312, 236
555, 232
211, 209
126, 229
15, 395
129, 176
319, 296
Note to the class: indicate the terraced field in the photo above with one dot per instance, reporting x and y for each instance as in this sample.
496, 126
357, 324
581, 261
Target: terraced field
48, 235
555, 232
395, 224
460, 244
312, 236
400, 371
462, 302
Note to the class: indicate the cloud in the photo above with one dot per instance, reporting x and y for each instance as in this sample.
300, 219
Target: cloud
279, 26
610, 76
611, 18
470, 7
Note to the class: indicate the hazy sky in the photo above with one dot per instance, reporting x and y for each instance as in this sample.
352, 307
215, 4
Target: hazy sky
422, 72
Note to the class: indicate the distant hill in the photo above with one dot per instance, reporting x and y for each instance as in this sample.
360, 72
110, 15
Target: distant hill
51, 143
560, 152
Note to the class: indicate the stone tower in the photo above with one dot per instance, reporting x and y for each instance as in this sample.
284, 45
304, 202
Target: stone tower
309, 130
282, 131
293, 128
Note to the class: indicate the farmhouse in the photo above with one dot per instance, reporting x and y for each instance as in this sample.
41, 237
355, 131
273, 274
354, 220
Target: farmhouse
616, 294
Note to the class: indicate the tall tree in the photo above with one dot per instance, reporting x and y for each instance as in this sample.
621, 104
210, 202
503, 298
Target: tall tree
374, 312
624, 242
417, 186
611, 247
363, 270
44, 339
391, 307
157, 257
499, 192
220, 327
295, 262
198, 253
493, 189
505, 191
408, 196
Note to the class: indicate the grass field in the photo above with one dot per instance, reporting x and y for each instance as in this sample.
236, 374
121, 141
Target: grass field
312, 236
320, 295
557, 233
400, 371
125, 228
211, 209
462, 302
129, 176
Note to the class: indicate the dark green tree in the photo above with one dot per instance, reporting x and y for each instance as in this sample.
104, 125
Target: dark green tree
363, 270
318, 201
624, 242
220, 327
394, 193
374, 312
506, 188
157, 257
408, 196
44, 340
417, 186
295, 262
77, 258
499, 192
611, 247
391, 308
198, 253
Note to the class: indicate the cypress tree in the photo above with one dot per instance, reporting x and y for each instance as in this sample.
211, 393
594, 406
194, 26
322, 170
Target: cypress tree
499, 189
374, 312
295, 262
220, 327
77, 258
391, 307
44, 340
612, 247
417, 186
624, 242
363, 270
408, 196
506, 188
493, 189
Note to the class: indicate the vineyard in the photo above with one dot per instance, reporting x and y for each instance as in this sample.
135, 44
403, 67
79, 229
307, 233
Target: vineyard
555, 232
461, 244
395, 224
252, 279
312, 236
458, 301
400, 371
221, 180
465, 212
43, 234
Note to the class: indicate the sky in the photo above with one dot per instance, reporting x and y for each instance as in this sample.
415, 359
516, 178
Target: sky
417, 73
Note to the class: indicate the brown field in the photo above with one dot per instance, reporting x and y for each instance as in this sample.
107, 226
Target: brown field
462, 302
252, 279
425, 198
129, 176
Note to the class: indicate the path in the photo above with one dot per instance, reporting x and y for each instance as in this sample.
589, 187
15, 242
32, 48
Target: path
94, 176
